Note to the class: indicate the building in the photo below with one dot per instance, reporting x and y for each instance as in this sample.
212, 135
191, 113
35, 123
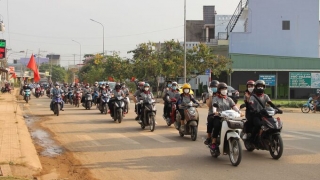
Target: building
279, 38
54, 59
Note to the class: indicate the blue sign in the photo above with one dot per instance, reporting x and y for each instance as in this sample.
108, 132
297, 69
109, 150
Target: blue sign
208, 71
270, 80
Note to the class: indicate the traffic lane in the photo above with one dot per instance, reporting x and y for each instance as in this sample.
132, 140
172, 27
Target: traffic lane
123, 151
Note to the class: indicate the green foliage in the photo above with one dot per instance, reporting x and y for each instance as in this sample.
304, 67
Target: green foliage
59, 74
290, 104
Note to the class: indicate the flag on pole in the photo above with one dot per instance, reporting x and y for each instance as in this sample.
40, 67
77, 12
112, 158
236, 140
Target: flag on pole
33, 66
13, 75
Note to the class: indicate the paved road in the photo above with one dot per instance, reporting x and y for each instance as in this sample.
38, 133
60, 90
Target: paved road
124, 151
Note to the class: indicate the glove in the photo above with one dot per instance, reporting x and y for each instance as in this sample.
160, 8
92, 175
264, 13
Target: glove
279, 111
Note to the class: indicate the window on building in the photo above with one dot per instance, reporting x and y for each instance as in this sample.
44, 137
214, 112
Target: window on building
285, 25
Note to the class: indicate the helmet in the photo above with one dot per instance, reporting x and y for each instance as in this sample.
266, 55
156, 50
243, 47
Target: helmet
222, 85
96, 83
141, 83
174, 83
214, 83
118, 86
250, 82
260, 82
186, 86
146, 85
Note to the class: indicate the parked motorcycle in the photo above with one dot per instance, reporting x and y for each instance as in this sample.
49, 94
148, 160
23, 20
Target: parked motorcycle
118, 109
148, 113
308, 106
104, 100
270, 137
191, 121
87, 101
57, 104
228, 139
26, 95
6, 89
77, 99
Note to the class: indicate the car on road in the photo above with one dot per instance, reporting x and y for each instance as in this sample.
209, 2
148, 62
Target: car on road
232, 93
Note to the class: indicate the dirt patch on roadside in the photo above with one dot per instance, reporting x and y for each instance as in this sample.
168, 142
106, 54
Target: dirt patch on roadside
62, 166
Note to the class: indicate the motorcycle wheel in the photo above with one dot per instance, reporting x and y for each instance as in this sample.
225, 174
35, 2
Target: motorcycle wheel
27, 99
235, 154
168, 123
120, 115
194, 132
181, 134
305, 109
276, 148
152, 123
57, 109
248, 145
88, 105
142, 126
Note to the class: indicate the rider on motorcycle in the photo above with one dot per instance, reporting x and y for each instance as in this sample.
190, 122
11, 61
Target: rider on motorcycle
257, 98
95, 88
249, 123
166, 104
146, 93
225, 103
212, 93
25, 87
126, 93
54, 92
136, 98
174, 95
85, 91
116, 92
184, 99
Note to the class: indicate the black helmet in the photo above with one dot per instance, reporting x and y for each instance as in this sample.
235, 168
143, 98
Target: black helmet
260, 82
118, 86
214, 83
222, 85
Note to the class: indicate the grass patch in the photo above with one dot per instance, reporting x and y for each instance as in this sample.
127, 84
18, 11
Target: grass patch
289, 104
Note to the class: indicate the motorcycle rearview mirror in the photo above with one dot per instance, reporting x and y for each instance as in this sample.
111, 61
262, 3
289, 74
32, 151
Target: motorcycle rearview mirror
242, 106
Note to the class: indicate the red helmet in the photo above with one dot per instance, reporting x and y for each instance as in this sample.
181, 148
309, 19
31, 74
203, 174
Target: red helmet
141, 84
250, 82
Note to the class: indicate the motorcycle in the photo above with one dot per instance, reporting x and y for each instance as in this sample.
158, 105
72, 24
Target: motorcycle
104, 100
65, 96
42, 92
26, 95
57, 104
87, 101
228, 139
95, 96
70, 97
308, 106
118, 109
48, 92
172, 118
127, 103
6, 89
37, 93
270, 137
148, 114
77, 99
191, 118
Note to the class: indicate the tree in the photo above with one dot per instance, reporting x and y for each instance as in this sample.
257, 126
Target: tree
58, 73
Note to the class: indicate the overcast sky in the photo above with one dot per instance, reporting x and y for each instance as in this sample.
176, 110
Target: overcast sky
50, 25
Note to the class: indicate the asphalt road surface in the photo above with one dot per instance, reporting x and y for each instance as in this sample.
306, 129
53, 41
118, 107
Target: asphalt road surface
124, 151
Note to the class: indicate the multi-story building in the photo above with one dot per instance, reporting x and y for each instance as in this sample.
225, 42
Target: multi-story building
278, 38
54, 59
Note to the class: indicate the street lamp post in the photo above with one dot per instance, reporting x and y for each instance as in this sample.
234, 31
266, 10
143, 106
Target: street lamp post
80, 51
102, 34
185, 44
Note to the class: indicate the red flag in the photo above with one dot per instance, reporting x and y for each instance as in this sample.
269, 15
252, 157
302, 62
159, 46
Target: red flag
133, 79
32, 64
110, 79
14, 75
36, 76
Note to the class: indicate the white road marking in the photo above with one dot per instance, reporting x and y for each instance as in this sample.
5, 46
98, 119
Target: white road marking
289, 137
158, 137
88, 138
305, 134
121, 138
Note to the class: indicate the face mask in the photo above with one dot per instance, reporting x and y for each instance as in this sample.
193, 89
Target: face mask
260, 90
186, 91
174, 87
214, 89
146, 89
103, 87
57, 87
250, 89
224, 92
169, 85
87, 86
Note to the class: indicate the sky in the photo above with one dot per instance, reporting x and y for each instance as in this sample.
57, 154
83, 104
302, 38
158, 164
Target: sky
49, 26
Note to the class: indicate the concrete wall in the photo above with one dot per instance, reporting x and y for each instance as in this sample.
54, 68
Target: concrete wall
265, 35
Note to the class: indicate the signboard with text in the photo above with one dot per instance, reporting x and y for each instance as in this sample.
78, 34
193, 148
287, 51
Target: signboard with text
269, 79
300, 80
